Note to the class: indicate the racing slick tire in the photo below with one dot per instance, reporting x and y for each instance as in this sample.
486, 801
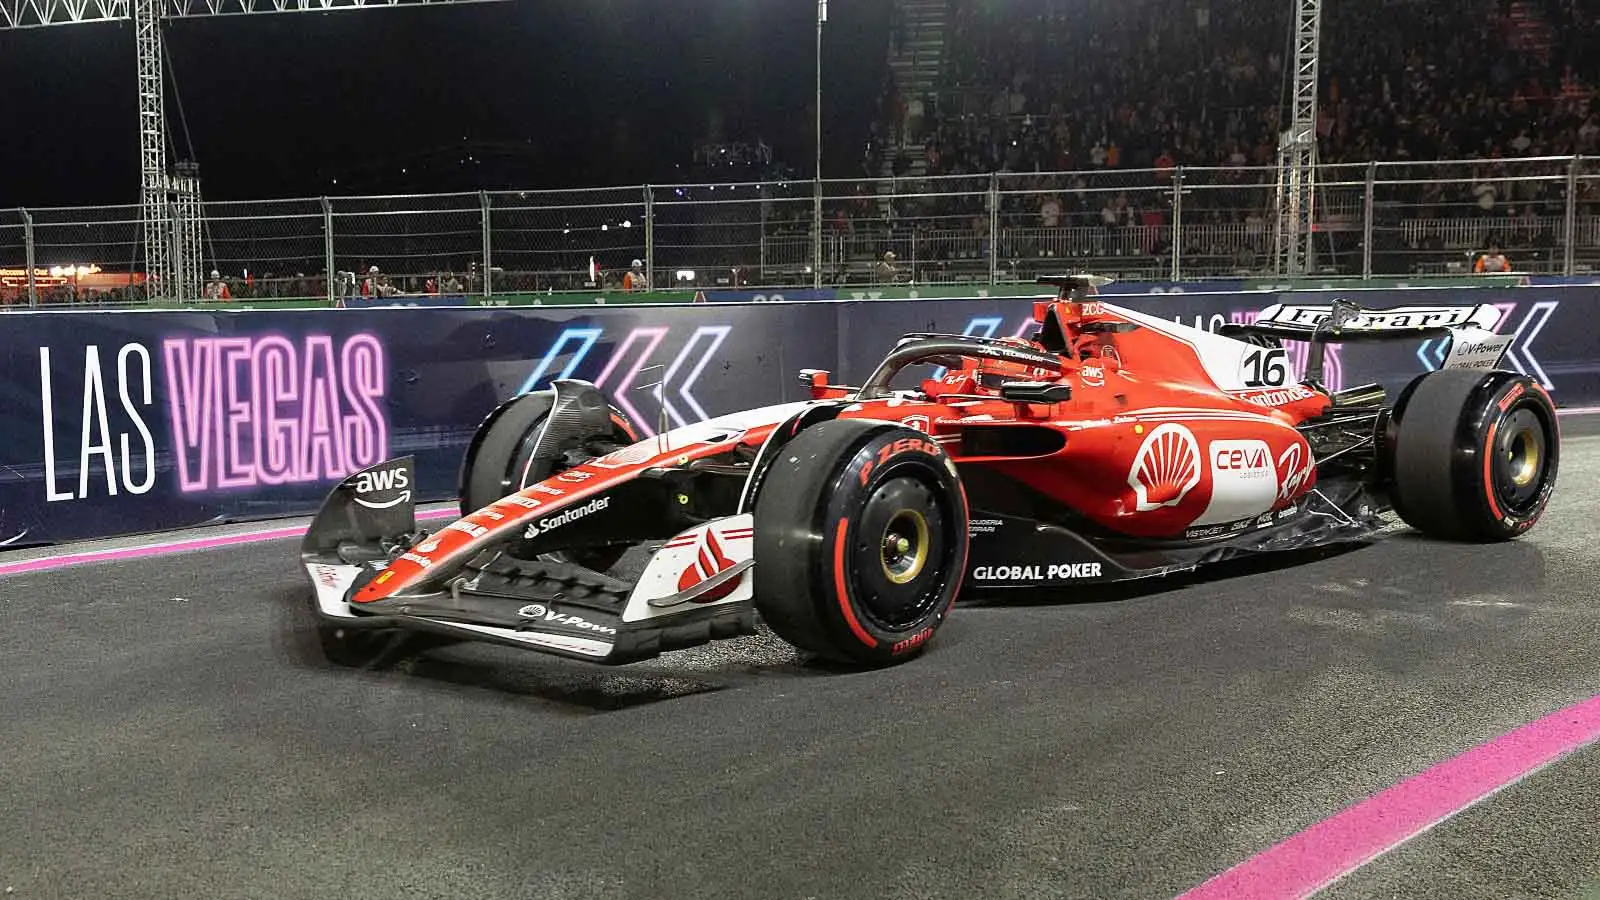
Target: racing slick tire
860, 542
499, 463
1473, 455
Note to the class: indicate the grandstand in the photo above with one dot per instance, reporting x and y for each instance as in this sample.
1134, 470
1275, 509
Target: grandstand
1132, 137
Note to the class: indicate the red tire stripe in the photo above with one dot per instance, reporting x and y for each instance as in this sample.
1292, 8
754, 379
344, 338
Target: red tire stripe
841, 590
1488, 463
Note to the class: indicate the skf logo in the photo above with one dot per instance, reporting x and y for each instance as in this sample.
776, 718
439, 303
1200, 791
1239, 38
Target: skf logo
1166, 468
383, 481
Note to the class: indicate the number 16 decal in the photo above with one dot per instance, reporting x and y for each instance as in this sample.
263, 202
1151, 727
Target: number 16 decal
1266, 368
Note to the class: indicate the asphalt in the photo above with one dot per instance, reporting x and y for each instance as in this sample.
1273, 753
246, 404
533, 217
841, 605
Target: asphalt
163, 733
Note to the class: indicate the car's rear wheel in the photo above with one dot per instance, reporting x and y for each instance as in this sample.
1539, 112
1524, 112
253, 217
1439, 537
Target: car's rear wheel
502, 461
860, 542
1474, 455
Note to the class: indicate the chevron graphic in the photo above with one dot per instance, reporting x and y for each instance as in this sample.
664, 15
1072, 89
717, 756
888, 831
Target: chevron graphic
587, 335
717, 334
1520, 353
652, 337
1431, 352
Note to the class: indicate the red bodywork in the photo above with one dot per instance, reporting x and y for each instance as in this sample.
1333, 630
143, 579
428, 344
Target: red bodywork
1151, 448
1168, 430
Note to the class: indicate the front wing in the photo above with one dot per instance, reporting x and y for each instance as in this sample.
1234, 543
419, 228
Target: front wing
694, 588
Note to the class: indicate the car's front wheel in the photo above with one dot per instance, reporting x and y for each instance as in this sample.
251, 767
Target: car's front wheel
860, 541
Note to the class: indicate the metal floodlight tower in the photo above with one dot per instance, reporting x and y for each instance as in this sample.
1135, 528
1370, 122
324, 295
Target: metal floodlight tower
816, 189
169, 202
1297, 147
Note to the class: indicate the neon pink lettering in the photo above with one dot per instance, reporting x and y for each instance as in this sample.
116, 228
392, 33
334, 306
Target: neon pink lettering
274, 386
323, 457
250, 411
191, 407
232, 360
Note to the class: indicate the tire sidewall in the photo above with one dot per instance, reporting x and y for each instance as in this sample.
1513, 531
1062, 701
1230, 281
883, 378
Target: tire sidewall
886, 455
1494, 403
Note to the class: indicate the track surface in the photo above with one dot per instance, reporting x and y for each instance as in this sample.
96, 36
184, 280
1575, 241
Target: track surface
161, 736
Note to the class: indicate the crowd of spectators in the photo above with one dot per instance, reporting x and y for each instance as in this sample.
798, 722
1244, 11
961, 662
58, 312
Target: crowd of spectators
1113, 89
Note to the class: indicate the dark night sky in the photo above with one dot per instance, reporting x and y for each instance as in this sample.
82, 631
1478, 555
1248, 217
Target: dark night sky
548, 94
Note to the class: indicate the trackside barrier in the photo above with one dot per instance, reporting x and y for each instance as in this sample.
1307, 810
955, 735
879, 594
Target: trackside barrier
123, 422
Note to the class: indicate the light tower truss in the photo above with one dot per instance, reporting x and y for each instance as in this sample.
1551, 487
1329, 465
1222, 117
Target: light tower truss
1297, 147
37, 13
170, 211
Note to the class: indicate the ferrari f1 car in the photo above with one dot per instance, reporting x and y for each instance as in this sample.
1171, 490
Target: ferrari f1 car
1113, 445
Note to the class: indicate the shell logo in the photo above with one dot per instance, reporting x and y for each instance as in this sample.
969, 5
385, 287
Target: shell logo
709, 560
1166, 468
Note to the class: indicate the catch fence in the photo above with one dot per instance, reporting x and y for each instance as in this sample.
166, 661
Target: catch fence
1381, 219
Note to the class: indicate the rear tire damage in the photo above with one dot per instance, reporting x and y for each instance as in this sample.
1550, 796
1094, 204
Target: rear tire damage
860, 542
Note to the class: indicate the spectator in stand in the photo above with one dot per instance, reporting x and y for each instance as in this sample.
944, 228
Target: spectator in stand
887, 273
216, 288
1493, 261
635, 279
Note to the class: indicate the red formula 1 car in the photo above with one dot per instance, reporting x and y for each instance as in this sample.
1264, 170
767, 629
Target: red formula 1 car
1113, 445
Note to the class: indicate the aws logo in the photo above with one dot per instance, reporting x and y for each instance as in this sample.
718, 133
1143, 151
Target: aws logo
372, 485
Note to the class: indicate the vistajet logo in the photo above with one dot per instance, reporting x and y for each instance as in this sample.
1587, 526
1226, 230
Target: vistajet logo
569, 516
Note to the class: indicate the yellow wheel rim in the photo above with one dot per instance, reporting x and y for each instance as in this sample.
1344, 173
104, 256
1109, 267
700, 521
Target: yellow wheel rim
1522, 456
904, 548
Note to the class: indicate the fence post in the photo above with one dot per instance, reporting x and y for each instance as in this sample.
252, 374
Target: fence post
488, 246
816, 232
650, 236
1570, 241
994, 228
1177, 223
27, 255
1368, 208
327, 248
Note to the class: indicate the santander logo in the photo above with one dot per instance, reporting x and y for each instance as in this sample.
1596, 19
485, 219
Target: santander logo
1166, 468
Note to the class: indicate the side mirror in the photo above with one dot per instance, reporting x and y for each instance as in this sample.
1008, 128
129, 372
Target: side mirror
813, 378
1035, 392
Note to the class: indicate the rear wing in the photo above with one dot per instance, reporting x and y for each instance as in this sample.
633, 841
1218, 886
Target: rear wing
1473, 343
1342, 321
